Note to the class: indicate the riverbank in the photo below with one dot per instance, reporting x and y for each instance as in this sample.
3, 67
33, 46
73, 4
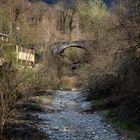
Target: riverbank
24, 123
125, 127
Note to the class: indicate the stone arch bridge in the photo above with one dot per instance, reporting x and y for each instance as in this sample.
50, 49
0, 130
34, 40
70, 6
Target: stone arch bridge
58, 47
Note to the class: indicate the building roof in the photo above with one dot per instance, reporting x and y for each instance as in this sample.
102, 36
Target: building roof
1, 34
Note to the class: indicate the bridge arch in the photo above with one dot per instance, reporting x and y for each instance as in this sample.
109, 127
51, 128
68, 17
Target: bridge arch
57, 48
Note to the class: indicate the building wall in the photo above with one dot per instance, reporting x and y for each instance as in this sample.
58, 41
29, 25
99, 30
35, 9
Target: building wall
4, 37
25, 56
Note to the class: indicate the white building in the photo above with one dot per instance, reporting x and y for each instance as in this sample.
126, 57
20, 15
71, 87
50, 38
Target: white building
4, 37
24, 56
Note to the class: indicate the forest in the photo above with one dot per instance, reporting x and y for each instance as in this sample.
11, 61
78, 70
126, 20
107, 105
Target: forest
108, 70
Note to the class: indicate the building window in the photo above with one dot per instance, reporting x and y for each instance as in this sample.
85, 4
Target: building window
19, 61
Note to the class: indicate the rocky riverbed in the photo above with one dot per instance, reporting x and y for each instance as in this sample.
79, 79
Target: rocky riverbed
66, 115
